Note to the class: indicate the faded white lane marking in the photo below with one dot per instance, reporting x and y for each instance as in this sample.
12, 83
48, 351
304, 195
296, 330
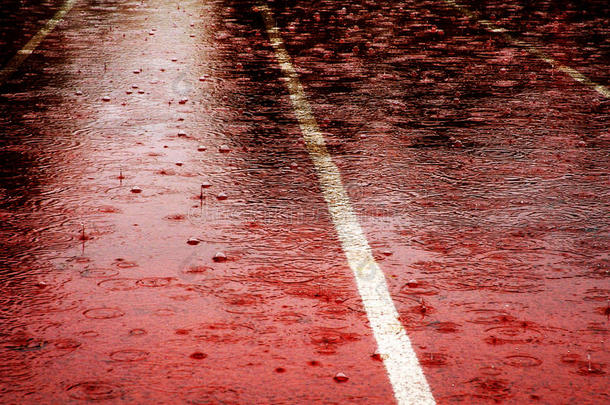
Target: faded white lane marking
405, 373
21, 55
534, 50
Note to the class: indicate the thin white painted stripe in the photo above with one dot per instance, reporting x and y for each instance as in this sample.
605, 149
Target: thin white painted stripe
406, 376
21, 55
534, 50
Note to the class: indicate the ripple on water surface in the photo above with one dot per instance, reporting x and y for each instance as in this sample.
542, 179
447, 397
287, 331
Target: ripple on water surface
103, 313
128, 355
95, 391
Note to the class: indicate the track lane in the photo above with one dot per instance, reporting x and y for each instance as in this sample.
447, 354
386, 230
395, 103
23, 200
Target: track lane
394, 346
482, 189
112, 247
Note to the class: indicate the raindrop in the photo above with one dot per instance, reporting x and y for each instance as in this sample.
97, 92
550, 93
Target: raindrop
198, 356
106, 98
203, 78
78, 93
222, 196
422, 307
136, 71
179, 163
589, 368
340, 377
386, 252
224, 149
82, 235
181, 133
183, 101
137, 332
201, 148
128, 91
433, 359
136, 190
378, 356
415, 287
193, 241
220, 257
206, 184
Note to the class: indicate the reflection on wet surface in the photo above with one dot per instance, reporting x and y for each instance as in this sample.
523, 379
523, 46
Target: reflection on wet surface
163, 235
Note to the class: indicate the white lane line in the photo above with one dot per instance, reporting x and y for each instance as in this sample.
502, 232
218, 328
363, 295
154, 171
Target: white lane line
21, 55
534, 50
405, 373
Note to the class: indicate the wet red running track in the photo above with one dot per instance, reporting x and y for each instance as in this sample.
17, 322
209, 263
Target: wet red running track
168, 235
